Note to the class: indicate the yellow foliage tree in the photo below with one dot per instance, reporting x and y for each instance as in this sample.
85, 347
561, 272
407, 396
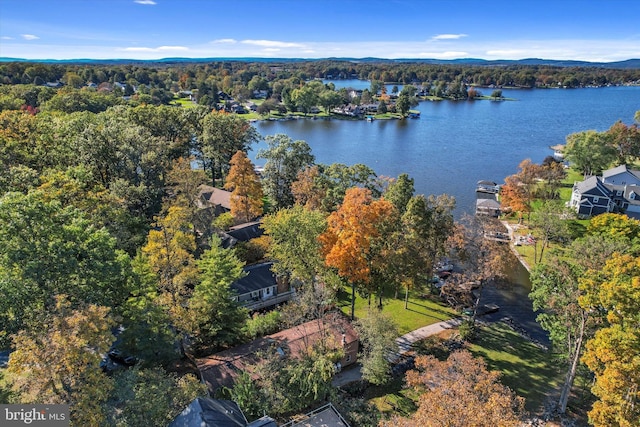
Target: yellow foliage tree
613, 354
246, 189
59, 362
169, 252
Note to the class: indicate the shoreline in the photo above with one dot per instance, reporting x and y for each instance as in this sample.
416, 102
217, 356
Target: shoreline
524, 263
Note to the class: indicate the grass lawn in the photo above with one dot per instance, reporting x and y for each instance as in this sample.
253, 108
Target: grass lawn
526, 369
567, 184
421, 311
183, 102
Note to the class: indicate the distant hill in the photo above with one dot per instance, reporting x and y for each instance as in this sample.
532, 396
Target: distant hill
627, 64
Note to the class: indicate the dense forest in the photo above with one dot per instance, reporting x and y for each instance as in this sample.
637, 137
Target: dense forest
238, 78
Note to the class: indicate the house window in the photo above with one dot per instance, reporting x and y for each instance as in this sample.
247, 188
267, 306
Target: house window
348, 358
632, 196
618, 192
254, 294
267, 291
596, 199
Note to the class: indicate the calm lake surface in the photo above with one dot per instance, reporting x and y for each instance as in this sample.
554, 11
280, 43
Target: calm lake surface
455, 144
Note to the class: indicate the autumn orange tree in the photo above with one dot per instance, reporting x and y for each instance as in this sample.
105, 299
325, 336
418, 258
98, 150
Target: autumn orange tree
613, 354
512, 197
517, 193
246, 190
459, 391
349, 244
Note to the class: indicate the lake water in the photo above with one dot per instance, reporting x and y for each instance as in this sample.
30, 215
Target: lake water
455, 144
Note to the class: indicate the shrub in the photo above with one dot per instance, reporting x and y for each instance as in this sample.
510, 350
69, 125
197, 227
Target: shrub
467, 330
262, 324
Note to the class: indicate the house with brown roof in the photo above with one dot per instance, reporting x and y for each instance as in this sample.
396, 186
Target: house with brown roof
214, 198
221, 369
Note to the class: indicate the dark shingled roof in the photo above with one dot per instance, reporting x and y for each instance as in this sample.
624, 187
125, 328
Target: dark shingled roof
246, 232
258, 277
241, 233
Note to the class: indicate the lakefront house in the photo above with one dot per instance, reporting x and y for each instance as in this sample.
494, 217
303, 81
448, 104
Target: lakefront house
617, 190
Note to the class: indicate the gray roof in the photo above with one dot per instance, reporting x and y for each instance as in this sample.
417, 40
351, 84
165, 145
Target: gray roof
618, 170
241, 233
208, 412
592, 185
632, 189
263, 422
615, 171
259, 276
487, 204
326, 416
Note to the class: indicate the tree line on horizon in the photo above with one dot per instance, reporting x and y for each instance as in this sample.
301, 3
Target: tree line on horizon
240, 78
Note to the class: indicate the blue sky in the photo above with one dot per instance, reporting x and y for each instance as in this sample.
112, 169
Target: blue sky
592, 30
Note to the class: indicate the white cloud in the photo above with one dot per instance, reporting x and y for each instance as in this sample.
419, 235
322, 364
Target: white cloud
29, 37
147, 2
6, 38
272, 43
161, 48
448, 36
590, 50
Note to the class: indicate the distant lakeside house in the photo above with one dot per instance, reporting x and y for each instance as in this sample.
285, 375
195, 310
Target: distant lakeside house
617, 190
